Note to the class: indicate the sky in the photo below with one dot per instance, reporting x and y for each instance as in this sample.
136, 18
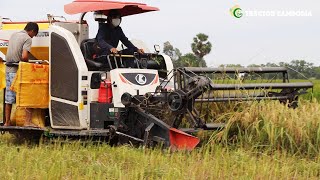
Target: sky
246, 40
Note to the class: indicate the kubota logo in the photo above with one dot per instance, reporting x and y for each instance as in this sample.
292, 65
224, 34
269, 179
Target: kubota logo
141, 79
236, 11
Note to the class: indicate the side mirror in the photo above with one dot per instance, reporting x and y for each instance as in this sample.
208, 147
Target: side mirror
157, 48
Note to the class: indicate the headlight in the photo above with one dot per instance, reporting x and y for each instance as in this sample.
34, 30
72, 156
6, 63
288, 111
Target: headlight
103, 76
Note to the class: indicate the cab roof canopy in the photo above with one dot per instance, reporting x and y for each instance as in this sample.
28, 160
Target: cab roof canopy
125, 8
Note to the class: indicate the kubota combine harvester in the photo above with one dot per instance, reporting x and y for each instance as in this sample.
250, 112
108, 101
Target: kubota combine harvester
152, 103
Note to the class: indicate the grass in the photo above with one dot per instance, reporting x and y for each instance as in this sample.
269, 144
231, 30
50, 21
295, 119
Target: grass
78, 161
316, 90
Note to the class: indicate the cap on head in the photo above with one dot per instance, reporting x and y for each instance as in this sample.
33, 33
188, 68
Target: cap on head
114, 13
99, 16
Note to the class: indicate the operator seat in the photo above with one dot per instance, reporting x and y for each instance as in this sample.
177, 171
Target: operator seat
88, 52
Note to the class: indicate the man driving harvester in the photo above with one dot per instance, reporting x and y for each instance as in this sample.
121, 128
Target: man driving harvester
109, 35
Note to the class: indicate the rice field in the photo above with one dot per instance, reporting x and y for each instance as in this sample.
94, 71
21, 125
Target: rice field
78, 161
262, 140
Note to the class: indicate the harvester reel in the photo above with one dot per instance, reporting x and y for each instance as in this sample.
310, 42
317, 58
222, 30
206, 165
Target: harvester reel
175, 101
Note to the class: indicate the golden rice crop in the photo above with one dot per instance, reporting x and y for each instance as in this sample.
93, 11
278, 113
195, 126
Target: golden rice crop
272, 125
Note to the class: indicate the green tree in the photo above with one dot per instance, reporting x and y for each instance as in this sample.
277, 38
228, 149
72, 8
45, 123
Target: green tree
316, 72
301, 69
173, 53
189, 60
233, 65
256, 65
270, 64
201, 47
283, 64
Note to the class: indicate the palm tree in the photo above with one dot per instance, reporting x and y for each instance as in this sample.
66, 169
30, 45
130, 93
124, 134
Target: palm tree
201, 47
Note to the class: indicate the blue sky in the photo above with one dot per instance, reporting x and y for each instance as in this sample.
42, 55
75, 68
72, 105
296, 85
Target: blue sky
245, 41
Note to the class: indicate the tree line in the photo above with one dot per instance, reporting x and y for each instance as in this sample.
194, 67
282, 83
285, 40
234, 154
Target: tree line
297, 69
201, 46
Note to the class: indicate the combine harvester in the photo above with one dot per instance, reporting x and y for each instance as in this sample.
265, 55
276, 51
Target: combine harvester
149, 104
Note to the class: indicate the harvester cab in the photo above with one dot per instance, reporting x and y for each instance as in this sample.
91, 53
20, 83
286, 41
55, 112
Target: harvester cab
148, 103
